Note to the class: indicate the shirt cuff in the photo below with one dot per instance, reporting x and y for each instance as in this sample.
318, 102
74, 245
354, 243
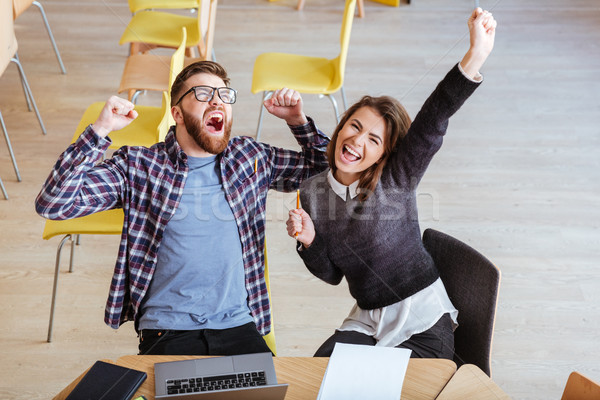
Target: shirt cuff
304, 127
91, 141
477, 78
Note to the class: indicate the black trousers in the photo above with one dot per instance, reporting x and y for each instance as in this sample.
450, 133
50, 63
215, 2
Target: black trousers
436, 342
243, 339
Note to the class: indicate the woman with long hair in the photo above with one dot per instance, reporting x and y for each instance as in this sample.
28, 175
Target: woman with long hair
359, 218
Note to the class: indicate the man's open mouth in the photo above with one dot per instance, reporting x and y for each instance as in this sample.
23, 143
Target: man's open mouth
215, 121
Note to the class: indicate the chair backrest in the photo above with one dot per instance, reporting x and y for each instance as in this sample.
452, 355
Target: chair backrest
340, 60
177, 59
8, 40
472, 283
270, 337
19, 7
207, 15
167, 118
580, 387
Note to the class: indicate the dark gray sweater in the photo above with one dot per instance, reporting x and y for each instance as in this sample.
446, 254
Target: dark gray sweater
376, 244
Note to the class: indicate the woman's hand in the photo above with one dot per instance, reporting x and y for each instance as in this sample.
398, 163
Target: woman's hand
300, 226
482, 32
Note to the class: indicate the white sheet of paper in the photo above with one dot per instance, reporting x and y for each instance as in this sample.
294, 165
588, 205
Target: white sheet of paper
364, 372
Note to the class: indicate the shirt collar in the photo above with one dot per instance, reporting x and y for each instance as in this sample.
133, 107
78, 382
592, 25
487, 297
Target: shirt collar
174, 149
340, 189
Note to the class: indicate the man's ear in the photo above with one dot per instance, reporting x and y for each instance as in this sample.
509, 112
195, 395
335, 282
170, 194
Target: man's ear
177, 115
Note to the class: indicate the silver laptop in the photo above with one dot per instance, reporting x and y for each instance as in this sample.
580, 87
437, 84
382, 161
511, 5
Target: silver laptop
240, 377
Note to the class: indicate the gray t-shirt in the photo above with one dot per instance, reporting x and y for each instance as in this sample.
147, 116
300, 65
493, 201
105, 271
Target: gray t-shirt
199, 279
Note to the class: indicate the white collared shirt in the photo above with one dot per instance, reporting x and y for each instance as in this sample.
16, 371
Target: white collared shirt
341, 189
394, 324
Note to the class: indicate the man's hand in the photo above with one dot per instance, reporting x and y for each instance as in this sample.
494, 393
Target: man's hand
116, 114
287, 104
300, 223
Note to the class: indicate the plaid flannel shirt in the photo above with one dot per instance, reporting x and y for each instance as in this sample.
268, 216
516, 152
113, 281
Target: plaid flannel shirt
148, 184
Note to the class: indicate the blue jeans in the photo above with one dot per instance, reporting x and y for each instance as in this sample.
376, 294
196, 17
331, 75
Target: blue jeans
243, 339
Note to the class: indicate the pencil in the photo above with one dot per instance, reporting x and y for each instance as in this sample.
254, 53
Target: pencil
255, 165
297, 204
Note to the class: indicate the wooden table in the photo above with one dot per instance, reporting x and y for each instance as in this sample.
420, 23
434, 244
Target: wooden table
470, 382
424, 379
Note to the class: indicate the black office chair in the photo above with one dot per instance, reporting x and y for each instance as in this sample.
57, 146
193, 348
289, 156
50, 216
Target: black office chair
472, 283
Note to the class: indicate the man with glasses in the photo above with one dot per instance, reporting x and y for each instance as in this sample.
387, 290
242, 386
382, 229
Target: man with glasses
190, 268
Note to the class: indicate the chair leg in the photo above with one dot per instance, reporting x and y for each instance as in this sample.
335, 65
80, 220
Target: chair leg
360, 8
335, 107
134, 48
39, 5
266, 95
4, 192
10, 150
25, 91
344, 98
135, 95
73, 244
55, 287
15, 59
300, 5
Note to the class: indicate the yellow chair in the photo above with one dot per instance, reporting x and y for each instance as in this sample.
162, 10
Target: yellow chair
359, 5
102, 223
393, 3
151, 125
141, 5
313, 75
149, 29
151, 71
148, 128
19, 6
108, 222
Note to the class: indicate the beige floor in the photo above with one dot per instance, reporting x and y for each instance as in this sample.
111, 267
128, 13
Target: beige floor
518, 177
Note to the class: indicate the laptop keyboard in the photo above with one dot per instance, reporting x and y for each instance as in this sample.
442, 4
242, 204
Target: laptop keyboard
218, 382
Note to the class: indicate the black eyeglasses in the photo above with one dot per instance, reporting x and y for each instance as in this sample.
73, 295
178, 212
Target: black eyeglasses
206, 93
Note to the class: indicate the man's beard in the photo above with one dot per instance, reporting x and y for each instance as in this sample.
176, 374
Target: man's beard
207, 142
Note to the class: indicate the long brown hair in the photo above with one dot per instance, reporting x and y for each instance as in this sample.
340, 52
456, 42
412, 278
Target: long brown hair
397, 122
199, 67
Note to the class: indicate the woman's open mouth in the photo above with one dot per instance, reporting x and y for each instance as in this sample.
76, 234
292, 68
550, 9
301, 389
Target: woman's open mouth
350, 155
